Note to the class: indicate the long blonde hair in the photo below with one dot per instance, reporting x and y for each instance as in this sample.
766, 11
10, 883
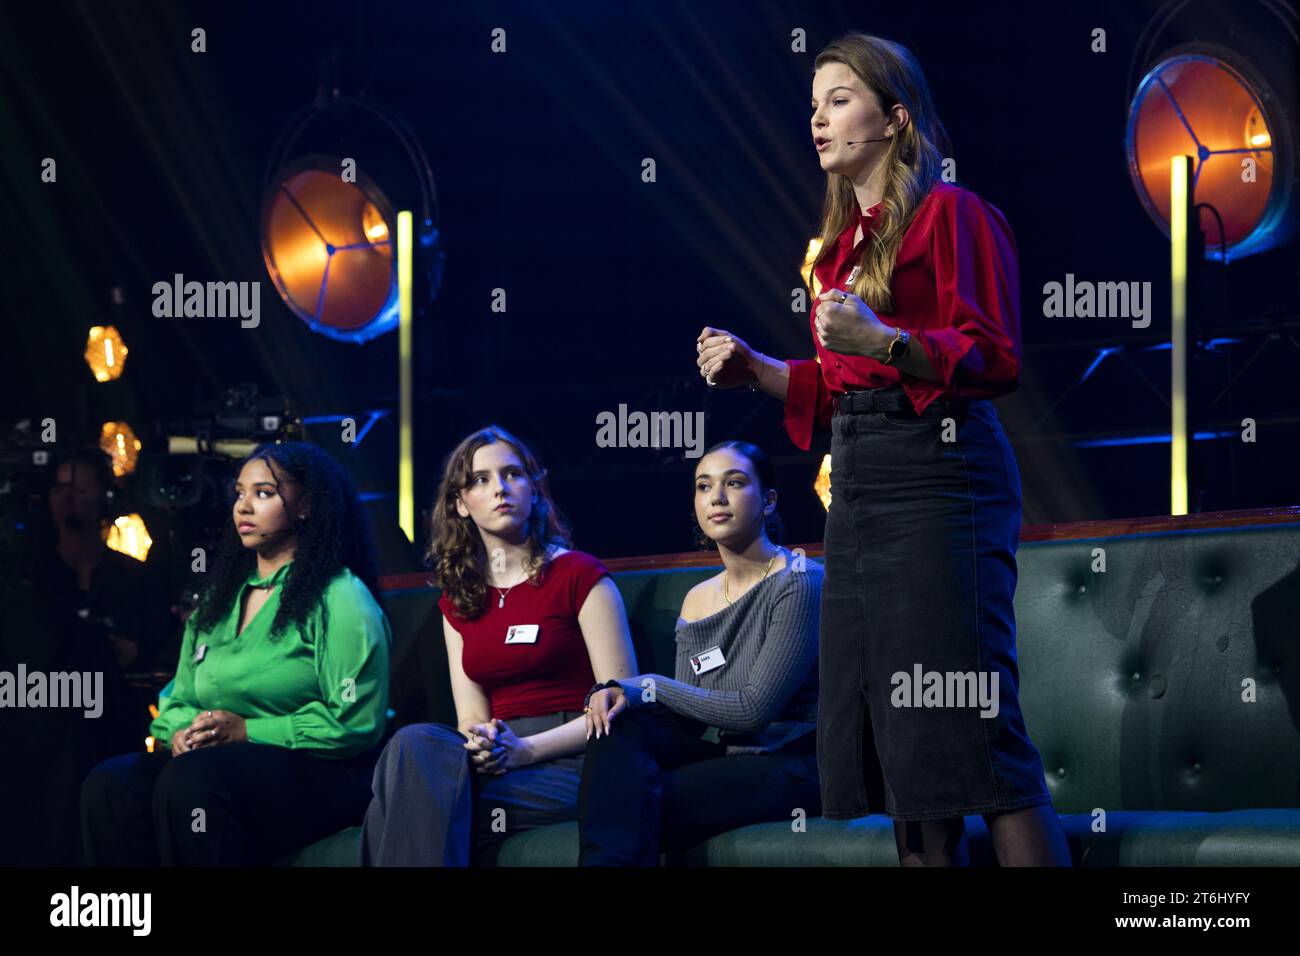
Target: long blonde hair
913, 162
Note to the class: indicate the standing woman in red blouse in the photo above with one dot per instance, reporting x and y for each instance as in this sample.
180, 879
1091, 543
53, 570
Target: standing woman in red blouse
916, 326
530, 626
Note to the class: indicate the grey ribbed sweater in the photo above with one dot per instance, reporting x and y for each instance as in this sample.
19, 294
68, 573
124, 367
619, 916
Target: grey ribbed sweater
765, 695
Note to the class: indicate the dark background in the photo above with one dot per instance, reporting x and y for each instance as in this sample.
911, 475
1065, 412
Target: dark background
537, 157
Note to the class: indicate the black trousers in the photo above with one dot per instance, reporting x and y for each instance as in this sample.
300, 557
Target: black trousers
652, 786
239, 804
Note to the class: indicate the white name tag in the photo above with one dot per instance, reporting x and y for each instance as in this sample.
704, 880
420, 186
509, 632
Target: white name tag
710, 660
199, 652
522, 634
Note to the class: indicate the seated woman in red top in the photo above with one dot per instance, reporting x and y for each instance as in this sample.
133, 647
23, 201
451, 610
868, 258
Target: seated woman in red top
530, 626
924, 518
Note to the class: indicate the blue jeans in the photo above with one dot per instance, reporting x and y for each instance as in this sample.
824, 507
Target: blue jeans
920, 541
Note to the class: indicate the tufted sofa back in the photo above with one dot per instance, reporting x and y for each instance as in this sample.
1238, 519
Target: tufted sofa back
1170, 681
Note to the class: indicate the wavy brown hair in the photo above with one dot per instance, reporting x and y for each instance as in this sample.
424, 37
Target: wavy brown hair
912, 164
456, 553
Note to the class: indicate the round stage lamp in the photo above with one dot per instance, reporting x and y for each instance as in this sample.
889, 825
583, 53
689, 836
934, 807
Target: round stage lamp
1211, 106
329, 247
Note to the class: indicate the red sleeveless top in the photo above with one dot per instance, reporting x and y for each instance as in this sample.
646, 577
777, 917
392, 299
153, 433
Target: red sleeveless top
532, 677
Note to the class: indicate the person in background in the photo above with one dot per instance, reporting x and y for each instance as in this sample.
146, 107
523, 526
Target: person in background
93, 611
108, 610
730, 740
281, 691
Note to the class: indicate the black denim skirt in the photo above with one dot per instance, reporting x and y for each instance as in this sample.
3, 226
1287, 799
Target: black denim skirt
919, 715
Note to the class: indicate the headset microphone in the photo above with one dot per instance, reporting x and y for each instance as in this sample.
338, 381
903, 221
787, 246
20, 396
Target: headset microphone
855, 142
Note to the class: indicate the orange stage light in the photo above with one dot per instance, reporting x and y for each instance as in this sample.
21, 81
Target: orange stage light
327, 244
1206, 107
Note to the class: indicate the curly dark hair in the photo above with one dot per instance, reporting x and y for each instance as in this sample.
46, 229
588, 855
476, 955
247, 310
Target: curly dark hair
772, 524
456, 553
336, 535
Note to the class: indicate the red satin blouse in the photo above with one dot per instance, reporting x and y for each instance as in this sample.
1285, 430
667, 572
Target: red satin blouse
956, 286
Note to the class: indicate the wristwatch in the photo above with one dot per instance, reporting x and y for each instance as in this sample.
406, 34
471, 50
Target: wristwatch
898, 347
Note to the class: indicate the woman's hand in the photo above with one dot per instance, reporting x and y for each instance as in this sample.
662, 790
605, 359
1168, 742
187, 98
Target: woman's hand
482, 745
181, 742
850, 327
214, 727
604, 706
724, 359
494, 748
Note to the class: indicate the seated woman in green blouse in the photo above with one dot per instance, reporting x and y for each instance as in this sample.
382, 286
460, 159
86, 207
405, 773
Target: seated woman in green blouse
267, 736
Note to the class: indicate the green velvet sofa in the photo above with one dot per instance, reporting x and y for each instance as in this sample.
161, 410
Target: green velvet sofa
1163, 693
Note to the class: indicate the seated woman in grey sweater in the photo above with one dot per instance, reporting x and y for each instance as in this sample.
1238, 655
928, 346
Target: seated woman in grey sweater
730, 739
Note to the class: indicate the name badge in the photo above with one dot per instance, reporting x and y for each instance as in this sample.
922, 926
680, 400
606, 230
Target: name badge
710, 660
200, 652
522, 634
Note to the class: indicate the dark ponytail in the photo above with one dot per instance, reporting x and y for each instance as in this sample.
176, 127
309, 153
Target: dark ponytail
772, 525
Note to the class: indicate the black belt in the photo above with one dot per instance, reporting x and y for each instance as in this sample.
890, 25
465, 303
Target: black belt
890, 398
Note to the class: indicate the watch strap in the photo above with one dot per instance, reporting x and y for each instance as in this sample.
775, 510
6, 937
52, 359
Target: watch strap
896, 350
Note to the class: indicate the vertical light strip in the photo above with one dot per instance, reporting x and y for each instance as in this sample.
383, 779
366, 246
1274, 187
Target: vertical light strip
405, 452
1179, 210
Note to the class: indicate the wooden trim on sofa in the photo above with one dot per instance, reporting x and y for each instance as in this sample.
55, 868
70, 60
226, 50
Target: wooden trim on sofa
1066, 531
1113, 527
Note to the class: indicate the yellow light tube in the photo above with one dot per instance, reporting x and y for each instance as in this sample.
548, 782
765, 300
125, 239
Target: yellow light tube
405, 451
1179, 181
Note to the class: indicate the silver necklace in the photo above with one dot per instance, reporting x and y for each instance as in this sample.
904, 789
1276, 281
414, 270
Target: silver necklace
502, 602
